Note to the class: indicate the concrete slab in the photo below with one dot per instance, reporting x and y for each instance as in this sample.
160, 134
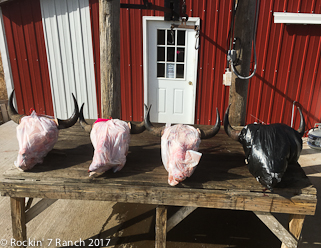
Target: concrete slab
132, 225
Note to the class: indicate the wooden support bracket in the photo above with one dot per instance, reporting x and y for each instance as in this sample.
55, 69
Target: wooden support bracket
295, 226
38, 208
180, 215
21, 214
286, 237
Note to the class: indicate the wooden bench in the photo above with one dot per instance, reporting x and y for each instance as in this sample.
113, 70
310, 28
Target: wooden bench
221, 181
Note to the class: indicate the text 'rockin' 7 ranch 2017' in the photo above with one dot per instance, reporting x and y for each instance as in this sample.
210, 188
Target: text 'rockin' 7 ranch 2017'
55, 243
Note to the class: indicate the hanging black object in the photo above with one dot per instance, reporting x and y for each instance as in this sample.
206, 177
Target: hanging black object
171, 9
269, 149
175, 7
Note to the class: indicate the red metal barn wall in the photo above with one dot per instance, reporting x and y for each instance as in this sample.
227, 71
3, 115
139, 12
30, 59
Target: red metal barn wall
28, 59
288, 67
288, 56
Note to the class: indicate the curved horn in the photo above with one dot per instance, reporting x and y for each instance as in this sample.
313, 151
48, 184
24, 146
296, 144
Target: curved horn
82, 121
228, 128
13, 114
149, 126
302, 123
214, 130
138, 128
72, 120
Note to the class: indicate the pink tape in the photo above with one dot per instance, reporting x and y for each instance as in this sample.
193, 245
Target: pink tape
100, 119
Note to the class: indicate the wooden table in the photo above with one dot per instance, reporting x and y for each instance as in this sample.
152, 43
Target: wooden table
221, 180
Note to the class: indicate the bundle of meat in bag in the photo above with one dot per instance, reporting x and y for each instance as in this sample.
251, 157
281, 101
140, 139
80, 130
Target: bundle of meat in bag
179, 147
37, 134
110, 139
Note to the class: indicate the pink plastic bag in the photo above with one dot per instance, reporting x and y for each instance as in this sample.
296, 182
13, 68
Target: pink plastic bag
179, 146
111, 142
36, 136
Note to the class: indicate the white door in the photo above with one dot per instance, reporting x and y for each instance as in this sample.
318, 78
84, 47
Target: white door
170, 70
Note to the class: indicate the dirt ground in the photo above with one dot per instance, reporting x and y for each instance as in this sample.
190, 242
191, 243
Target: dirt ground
203, 228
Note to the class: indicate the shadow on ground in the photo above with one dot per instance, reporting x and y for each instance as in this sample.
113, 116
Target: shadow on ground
202, 228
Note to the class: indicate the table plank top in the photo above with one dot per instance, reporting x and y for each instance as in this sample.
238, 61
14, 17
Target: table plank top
222, 172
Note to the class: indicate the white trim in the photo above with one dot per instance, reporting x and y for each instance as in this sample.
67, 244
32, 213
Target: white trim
5, 57
145, 53
196, 21
296, 18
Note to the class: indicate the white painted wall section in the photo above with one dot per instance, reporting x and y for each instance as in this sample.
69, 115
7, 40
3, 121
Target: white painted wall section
68, 39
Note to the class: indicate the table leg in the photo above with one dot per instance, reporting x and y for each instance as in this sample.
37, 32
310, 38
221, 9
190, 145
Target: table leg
295, 226
161, 223
18, 217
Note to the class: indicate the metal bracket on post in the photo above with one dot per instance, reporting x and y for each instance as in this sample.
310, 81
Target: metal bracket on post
170, 9
195, 27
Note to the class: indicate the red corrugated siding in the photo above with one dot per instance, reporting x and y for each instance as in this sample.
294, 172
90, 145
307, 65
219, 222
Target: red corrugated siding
28, 59
94, 18
131, 36
211, 94
288, 66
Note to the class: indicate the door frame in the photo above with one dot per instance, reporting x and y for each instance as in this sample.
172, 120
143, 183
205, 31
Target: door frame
146, 19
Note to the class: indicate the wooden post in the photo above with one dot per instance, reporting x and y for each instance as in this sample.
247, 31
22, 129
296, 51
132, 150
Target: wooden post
243, 31
295, 226
18, 218
109, 27
160, 229
279, 231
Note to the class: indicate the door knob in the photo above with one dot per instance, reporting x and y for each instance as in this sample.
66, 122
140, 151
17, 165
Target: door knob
190, 83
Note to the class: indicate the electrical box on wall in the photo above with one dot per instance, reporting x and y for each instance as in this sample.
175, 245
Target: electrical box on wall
227, 77
175, 6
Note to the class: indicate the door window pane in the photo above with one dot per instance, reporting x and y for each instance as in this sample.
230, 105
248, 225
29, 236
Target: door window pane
171, 46
180, 54
171, 37
181, 37
160, 53
171, 54
170, 70
179, 71
160, 70
160, 37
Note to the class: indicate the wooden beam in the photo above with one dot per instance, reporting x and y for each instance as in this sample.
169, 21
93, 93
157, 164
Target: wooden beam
237, 200
18, 217
109, 26
274, 225
4, 112
295, 226
180, 215
160, 228
243, 31
38, 208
